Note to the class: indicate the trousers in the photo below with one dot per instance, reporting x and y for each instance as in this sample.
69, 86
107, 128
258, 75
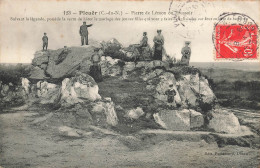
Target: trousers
45, 45
86, 39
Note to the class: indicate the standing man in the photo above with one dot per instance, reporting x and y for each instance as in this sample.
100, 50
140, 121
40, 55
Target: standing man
95, 69
83, 31
186, 52
45, 41
158, 45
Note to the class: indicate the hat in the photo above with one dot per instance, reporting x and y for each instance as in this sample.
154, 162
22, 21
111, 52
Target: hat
187, 42
171, 85
145, 33
84, 22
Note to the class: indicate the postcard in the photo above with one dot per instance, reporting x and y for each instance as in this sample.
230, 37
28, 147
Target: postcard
115, 83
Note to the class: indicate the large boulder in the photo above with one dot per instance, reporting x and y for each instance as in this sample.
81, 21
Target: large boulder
188, 88
131, 52
195, 89
62, 62
40, 57
71, 62
196, 119
104, 112
179, 120
48, 93
113, 48
174, 119
37, 73
167, 79
135, 113
223, 121
205, 91
128, 67
78, 89
112, 43
110, 66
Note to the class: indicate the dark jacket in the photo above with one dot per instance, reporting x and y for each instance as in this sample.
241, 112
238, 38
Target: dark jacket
83, 31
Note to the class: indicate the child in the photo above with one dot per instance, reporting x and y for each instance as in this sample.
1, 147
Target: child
170, 94
45, 42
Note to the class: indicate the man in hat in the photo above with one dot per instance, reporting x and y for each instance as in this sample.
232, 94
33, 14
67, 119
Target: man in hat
83, 31
45, 42
95, 69
158, 45
186, 52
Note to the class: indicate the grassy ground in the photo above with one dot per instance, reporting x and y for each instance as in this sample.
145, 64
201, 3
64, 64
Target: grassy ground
26, 145
235, 88
129, 94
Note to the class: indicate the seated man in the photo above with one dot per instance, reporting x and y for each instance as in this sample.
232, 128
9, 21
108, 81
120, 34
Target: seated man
144, 41
144, 48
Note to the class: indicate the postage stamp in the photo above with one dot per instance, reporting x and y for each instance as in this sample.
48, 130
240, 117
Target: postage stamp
235, 37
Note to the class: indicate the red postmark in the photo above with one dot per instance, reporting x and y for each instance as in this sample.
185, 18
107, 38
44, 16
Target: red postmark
236, 41
235, 37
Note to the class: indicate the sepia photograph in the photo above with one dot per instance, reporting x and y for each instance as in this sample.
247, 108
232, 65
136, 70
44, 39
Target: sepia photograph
129, 84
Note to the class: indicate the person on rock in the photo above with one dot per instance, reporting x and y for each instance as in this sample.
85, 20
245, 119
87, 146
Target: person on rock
95, 69
62, 56
83, 31
143, 43
45, 42
186, 52
158, 45
170, 94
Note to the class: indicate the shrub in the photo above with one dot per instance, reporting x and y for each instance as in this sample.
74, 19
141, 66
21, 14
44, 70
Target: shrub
13, 73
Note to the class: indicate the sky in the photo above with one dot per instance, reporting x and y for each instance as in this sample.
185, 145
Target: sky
19, 40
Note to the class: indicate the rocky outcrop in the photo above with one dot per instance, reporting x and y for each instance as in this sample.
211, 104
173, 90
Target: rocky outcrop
172, 95
191, 90
78, 96
62, 63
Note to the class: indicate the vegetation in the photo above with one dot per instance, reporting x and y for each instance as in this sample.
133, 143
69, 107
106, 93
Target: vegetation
13, 73
240, 94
